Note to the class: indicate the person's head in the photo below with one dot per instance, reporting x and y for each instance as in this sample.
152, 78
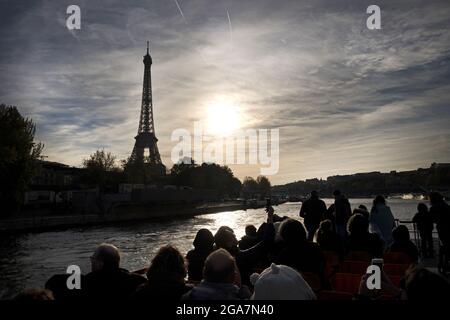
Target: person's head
34, 294
400, 234
435, 198
361, 210
362, 207
204, 239
379, 200
326, 226
292, 231
337, 193
357, 225
261, 230
225, 238
314, 194
280, 282
250, 230
422, 284
105, 257
422, 208
220, 267
168, 260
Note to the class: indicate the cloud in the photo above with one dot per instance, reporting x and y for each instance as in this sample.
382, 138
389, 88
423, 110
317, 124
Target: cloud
345, 98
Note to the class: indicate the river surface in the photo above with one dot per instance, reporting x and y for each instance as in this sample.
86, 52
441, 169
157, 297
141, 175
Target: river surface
28, 260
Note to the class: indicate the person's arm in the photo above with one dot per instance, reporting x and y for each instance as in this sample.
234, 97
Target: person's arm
387, 288
303, 209
391, 216
433, 214
255, 253
323, 209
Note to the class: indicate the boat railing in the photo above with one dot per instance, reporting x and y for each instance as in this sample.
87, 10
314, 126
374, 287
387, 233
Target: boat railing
414, 231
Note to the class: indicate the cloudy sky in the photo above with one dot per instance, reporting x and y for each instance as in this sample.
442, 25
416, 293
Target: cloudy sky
345, 98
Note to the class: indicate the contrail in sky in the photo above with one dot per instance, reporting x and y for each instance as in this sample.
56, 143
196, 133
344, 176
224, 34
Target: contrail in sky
181, 11
184, 19
231, 29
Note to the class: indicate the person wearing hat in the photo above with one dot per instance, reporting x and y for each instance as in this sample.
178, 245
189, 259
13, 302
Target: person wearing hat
280, 282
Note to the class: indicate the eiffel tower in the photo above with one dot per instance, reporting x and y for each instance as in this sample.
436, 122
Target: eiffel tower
146, 138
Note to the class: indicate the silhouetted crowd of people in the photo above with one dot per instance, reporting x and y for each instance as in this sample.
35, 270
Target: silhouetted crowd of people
277, 260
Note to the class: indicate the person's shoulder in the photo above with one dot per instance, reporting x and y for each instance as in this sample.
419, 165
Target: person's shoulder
93, 275
190, 253
141, 289
313, 246
412, 244
374, 237
136, 277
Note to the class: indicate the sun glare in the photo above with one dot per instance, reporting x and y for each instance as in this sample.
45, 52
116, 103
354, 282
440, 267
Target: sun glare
222, 117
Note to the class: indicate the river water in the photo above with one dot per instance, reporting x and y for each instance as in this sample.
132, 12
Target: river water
28, 260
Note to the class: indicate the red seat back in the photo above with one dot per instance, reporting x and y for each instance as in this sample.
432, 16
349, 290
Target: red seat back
396, 257
346, 282
334, 295
331, 262
354, 267
395, 269
358, 256
313, 280
395, 279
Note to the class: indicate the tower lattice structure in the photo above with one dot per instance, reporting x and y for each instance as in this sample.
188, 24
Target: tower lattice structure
146, 138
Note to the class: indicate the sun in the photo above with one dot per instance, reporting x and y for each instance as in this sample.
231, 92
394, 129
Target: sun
223, 117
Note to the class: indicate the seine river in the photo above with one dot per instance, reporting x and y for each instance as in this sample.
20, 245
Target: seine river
28, 260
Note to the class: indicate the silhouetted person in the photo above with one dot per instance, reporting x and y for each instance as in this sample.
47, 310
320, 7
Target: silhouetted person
329, 215
360, 239
342, 212
57, 284
402, 243
424, 222
165, 277
203, 246
313, 211
221, 280
327, 239
382, 220
250, 239
440, 211
298, 252
362, 209
424, 285
107, 281
247, 259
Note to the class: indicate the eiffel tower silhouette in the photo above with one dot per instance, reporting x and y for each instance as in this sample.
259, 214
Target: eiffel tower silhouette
146, 138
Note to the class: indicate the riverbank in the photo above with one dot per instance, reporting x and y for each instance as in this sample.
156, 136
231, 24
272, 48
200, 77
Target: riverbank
122, 213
